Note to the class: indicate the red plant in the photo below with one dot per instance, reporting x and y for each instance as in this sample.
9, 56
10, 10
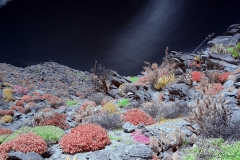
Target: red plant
86, 137
223, 76
6, 112
25, 143
26, 98
45, 96
5, 131
19, 103
21, 90
57, 119
196, 76
18, 108
136, 116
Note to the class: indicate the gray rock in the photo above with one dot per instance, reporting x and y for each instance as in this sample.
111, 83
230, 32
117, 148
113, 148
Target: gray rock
227, 66
23, 156
228, 84
128, 127
180, 91
237, 85
233, 40
233, 29
224, 57
218, 40
139, 151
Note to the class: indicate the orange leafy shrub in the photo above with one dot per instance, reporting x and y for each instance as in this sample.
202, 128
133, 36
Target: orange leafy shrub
136, 116
26, 98
223, 76
25, 143
5, 131
86, 137
6, 112
19, 103
196, 76
56, 119
18, 108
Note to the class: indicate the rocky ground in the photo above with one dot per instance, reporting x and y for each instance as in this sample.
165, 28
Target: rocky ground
48, 88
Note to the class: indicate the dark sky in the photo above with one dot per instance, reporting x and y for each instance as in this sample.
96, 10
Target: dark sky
120, 34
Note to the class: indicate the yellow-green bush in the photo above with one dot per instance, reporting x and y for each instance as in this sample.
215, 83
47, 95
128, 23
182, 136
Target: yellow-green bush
7, 94
6, 119
163, 81
110, 107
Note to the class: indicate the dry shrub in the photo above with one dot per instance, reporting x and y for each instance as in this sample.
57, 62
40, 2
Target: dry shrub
154, 72
84, 112
213, 115
106, 120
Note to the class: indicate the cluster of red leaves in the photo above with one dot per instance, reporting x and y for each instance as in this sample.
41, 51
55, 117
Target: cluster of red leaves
6, 112
223, 76
52, 100
26, 98
86, 137
136, 116
18, 108
19, 103
5, 131
196, 76
56, 119
25, 143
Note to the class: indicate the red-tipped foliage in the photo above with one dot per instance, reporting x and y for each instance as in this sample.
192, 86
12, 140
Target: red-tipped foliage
87, 137
223, 76
6, 112
26, 98
196, 76
25, 143
5, 131
57, 119
136, 116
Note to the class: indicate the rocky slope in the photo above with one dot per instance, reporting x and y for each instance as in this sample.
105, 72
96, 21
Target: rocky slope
30, 95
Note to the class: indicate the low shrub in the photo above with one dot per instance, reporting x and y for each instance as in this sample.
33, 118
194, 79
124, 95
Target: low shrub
6, 112
5, 131
109, 107
29, 142
213, 115
54, 119
106, 120
136, 116
6, 119
7, 94
49, 133
133, 79
223, 76
21, 90
163, 81
123, 102
196, 76
138, 137
86, 137
71, 102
